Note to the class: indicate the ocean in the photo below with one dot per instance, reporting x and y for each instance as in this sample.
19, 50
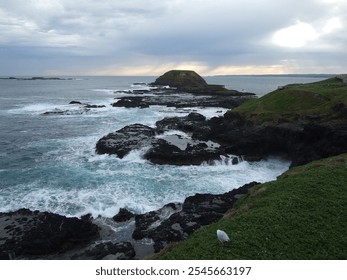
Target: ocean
48, 162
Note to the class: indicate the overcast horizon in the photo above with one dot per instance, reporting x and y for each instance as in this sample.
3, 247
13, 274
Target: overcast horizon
150, 37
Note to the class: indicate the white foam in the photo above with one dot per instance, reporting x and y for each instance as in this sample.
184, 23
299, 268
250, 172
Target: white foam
34, 108
69, 178
105, 187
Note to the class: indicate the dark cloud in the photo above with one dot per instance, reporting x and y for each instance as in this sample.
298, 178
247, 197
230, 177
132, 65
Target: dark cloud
93, 37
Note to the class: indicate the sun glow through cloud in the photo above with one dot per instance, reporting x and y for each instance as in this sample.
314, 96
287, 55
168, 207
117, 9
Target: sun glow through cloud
295, 36
148, 37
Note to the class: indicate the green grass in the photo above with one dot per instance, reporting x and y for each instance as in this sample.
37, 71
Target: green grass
301, 215
298, 102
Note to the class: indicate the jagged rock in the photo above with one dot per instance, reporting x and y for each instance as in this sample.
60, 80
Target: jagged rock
26, 232
123, 215
163, 149
301, 143
147, 221
179, 101
132, 102
83, 108
56, 112
194, 123
196, 211
89, 106
194, 153
125, 140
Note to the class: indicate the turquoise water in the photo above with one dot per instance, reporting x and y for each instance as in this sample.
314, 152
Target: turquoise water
48, 163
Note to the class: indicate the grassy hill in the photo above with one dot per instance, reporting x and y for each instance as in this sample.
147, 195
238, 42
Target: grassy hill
190, 81
323, 101
301, 215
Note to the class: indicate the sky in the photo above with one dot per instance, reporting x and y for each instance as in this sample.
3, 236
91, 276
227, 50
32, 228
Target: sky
150, 37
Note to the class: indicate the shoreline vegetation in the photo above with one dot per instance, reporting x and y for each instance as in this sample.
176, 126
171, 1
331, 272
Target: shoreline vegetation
301, 215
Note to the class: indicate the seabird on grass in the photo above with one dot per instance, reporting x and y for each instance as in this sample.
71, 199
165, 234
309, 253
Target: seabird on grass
222, 236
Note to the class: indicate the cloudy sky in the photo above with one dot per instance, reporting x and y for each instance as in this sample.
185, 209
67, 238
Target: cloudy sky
149, 37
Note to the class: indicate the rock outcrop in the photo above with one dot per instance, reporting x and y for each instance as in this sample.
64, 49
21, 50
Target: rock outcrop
174, 149
301, 143
184, 80
196, 211
26, 233
123, 141
79, 109
190, 81
180, 101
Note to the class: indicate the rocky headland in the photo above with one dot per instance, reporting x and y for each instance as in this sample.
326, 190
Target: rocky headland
300, 122
181, 88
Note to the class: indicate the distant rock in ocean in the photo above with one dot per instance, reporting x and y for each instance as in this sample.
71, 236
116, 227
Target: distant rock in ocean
182, 80
37, 78
190, 81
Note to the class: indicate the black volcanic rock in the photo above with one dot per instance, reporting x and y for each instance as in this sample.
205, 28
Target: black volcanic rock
123, 215
164, 149
180, 101
196, 211
125, 140
300, 142
192, 153
194, 123
26, 232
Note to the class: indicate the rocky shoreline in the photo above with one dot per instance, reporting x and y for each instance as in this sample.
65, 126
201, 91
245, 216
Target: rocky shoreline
26, 234
188, 140
193, 139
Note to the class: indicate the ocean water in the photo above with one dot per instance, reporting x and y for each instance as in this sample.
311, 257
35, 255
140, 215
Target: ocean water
48, 162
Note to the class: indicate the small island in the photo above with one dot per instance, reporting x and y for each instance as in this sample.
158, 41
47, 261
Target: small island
190, 81
37, 79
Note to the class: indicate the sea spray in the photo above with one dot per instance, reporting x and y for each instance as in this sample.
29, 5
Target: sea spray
48, 163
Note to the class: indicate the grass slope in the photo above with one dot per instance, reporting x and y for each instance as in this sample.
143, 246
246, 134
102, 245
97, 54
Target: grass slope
301, 215
323, 101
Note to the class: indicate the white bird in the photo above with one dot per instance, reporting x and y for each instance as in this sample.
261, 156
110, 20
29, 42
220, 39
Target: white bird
222, 236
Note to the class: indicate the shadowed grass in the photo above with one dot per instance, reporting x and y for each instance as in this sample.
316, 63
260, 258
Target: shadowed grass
324, 100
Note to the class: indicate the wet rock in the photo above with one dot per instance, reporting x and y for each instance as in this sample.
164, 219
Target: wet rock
182, 100
163, 149
194, 153
60, 112
123, 215
123, 141
144, 223
196, 211
75, 102
89, 106
26, 232
299, 142
194, 123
